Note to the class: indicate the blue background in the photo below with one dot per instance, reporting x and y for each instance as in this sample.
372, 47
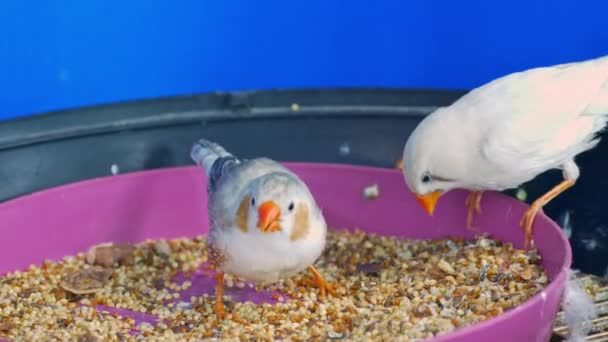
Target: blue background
63, 54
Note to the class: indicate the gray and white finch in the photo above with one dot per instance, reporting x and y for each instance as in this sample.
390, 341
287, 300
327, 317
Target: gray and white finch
507, 132
265, 223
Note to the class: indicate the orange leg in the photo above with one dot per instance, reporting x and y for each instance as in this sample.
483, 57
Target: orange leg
219, 293
219, 303
473, 203
528, 218
321, 283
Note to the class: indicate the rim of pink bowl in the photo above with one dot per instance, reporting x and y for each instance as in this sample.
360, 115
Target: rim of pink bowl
487, 323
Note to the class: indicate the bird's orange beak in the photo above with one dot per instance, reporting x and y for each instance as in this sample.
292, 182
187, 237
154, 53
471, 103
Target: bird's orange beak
429, 201
269, 214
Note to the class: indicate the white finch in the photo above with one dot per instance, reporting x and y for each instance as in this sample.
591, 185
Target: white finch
507, 132
265, 223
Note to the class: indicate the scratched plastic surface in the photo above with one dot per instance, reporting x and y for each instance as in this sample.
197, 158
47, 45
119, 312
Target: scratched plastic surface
170, 203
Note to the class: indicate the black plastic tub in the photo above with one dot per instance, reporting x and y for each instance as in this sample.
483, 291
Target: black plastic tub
355, 126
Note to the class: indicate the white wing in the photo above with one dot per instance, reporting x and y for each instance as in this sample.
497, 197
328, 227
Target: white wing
538, 118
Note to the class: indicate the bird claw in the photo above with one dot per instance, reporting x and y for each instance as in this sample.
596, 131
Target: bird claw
472, 228
237, 319
527, 222
222, 314
323, 286
219, 309
319, 282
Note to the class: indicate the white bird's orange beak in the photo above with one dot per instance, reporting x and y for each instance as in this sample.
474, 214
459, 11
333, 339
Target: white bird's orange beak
269, 214
429, 201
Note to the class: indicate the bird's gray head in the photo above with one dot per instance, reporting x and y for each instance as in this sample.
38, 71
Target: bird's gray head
278, 201
432, 160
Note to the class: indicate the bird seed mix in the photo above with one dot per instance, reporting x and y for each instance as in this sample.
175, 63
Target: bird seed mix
388, 289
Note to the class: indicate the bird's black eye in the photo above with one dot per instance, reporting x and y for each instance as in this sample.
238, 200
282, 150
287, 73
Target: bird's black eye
290, 208
426, 178
252, 201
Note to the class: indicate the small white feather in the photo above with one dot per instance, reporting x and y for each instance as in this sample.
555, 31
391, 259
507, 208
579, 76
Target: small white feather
114, 169
578, 308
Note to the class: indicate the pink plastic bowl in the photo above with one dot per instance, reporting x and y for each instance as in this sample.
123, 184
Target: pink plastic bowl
170, 203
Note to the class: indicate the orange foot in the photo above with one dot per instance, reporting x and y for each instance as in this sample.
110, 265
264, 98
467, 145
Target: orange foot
218, 307
527, 220
473, 204
321, 283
